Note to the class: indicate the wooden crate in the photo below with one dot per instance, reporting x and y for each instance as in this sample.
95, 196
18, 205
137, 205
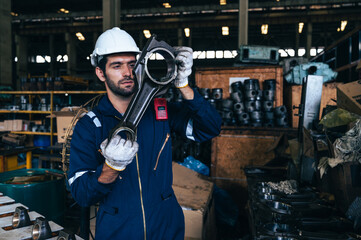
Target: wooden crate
236, 148
292, 97
219, 78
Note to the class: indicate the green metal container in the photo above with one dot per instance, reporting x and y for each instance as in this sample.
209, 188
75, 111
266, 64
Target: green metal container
41, 190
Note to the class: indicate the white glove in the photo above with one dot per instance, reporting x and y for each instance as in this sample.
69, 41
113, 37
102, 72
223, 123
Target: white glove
184, 59
119, 152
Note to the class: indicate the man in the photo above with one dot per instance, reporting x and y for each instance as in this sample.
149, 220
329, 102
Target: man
133, 180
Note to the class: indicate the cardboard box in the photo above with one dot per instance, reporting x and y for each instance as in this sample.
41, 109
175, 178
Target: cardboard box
349, 97
194, 194
2, 126
8, 125
20, 125
64, 118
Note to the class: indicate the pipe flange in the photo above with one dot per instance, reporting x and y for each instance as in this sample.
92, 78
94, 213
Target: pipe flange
237, 96
217, 93
267, 106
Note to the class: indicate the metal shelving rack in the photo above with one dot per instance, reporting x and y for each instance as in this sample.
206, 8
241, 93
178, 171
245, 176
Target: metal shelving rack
30, 112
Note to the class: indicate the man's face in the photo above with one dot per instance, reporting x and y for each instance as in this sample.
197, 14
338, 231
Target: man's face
119, 74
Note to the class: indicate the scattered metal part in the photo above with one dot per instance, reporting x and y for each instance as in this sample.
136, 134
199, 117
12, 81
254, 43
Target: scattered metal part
268, 95
243, 119
250, 95
256, 116
212, 102
259, 94
237, 86
256, 123
268, 122
269, 115
251, 84
205, 92
227, 104
41, 229
238, 108
280, 111
20, 218
250, 106
269, 84
237, 96
282, 121
267, 106
217, 93
65, 235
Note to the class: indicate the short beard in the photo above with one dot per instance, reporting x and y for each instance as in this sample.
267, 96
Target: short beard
119, 91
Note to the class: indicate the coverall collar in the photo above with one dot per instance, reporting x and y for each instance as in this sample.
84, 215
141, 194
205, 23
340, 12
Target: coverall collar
107, 108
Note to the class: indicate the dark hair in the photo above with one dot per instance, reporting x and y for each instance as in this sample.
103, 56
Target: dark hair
103, 62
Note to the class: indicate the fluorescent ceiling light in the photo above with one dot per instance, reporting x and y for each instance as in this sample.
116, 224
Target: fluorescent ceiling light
80, 36
187, 32
225, 31
167, 5
264, 29
300, 27
147, 33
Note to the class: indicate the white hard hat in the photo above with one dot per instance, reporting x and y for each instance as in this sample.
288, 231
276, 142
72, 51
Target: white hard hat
111, 41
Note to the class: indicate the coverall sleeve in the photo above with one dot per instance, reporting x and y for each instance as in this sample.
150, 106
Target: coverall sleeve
195, 119
86, 165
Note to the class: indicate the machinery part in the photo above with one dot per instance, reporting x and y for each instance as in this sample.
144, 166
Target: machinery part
250, 95
20, 218
280, 111
256, 123
237, 96
236, 86
65, 235
227, 104
227, 115
258, 54
205, 92
267, 106
256, 116
250, 106
282, 121
268, 95
268, 122
251, 84
217, 93
212, 102
259, 94
238, 108
41, 229
269, 84
150, 85
269, 115
243, 119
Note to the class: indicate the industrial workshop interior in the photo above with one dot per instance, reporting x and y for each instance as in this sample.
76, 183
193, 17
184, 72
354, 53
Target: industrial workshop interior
280, 80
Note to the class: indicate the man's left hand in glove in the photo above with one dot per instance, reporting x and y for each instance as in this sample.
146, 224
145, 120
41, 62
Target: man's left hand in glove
184, 60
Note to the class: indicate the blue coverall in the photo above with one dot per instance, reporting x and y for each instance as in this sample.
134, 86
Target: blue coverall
141, 201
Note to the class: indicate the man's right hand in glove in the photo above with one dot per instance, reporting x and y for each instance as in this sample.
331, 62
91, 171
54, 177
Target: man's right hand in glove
118, 153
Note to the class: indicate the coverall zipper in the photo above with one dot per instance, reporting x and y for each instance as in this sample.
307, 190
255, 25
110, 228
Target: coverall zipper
161, 150
141, 198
